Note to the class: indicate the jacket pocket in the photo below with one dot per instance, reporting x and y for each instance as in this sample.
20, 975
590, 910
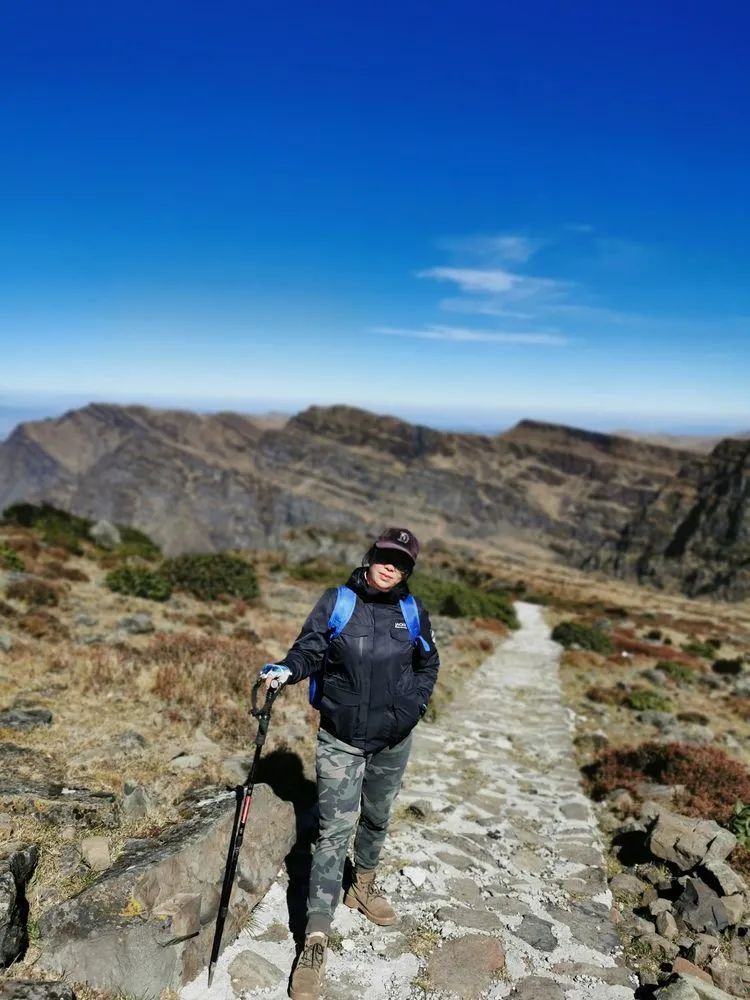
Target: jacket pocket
339, 711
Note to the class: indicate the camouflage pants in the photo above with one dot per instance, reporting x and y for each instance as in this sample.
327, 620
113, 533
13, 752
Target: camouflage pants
351, 786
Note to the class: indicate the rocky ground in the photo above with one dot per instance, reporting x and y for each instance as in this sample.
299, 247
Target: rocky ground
494, 862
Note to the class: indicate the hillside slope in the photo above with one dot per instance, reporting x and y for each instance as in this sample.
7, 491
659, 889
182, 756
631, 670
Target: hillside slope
222, 480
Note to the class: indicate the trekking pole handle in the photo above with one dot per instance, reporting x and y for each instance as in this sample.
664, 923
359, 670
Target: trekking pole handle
263, 715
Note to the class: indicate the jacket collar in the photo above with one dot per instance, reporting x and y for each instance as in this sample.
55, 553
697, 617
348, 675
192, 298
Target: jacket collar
370, 594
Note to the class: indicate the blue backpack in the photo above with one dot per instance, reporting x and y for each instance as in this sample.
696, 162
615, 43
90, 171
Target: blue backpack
342, 612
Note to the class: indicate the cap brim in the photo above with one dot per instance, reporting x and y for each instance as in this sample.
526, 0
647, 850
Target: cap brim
396, 546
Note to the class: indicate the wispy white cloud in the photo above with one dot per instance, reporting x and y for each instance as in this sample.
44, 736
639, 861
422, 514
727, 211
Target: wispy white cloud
493, 249
482, 307
497, 281
463, 335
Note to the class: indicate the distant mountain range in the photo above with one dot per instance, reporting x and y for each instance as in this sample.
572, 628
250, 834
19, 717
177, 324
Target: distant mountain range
205, 482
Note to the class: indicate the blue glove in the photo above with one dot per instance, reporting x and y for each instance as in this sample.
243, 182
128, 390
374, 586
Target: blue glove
274, 674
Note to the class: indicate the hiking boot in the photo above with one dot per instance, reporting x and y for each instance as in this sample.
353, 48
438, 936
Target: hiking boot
308, 972
365, 896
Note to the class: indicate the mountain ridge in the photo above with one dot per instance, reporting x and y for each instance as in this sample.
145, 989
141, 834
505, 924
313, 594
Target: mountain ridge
228, 480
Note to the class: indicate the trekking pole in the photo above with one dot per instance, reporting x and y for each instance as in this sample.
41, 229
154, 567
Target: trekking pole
244, 794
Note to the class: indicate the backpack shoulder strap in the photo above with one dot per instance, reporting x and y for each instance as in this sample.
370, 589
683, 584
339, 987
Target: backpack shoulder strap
410, 611
342, 611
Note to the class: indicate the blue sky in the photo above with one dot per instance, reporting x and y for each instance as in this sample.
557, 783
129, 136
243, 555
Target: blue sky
460, 213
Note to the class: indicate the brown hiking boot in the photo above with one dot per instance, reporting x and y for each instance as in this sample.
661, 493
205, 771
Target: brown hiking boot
308, 972
364, 895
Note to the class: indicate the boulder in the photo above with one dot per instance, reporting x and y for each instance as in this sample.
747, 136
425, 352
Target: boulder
686, 842
25, 718
701, 908
17, 864
139, 624
18, 989
105, 534
147, 923
6, 642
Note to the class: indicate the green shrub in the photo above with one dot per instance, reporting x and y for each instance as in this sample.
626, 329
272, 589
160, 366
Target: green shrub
679, 672
322, 571
10, 559
139, 582
654, 635
459, 600
56, 527
586, 636
648, 701
739, 824
695, 648
212, 575
136, 543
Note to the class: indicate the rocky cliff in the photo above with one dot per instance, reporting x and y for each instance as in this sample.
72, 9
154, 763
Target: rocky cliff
695, 533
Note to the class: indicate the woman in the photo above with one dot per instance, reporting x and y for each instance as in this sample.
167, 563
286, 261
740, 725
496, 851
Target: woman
378, 675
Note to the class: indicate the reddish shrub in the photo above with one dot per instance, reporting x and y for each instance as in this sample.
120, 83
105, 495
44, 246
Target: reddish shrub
43, 625
626, 641
713, 781
606, 696
33, 592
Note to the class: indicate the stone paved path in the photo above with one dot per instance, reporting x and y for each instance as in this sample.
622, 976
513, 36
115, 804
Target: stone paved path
508, 852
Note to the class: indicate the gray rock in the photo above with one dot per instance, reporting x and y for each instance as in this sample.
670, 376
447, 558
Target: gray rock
537, 932
59, 805
660, 720
186, 762
466, 965
615, 975
686, 842
660, 947
17, 864
18, 989
706, 946
666, 925
721, 878
25, 718
6, 642
139, 624
105, 534
250, 971
136, 802
701, 908
678, 990
657, 677
95, 852
463, 916
736, 907
689, 733
537, 988
726, 976
86, 621
236, 768
421, 808
111, 935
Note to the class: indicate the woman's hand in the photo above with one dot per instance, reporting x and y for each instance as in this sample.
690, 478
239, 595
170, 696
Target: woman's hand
275, 674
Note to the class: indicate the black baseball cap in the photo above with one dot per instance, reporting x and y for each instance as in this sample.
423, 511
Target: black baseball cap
401, 539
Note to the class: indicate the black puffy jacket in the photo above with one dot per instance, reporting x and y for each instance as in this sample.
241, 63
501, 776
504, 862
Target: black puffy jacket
376, 684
